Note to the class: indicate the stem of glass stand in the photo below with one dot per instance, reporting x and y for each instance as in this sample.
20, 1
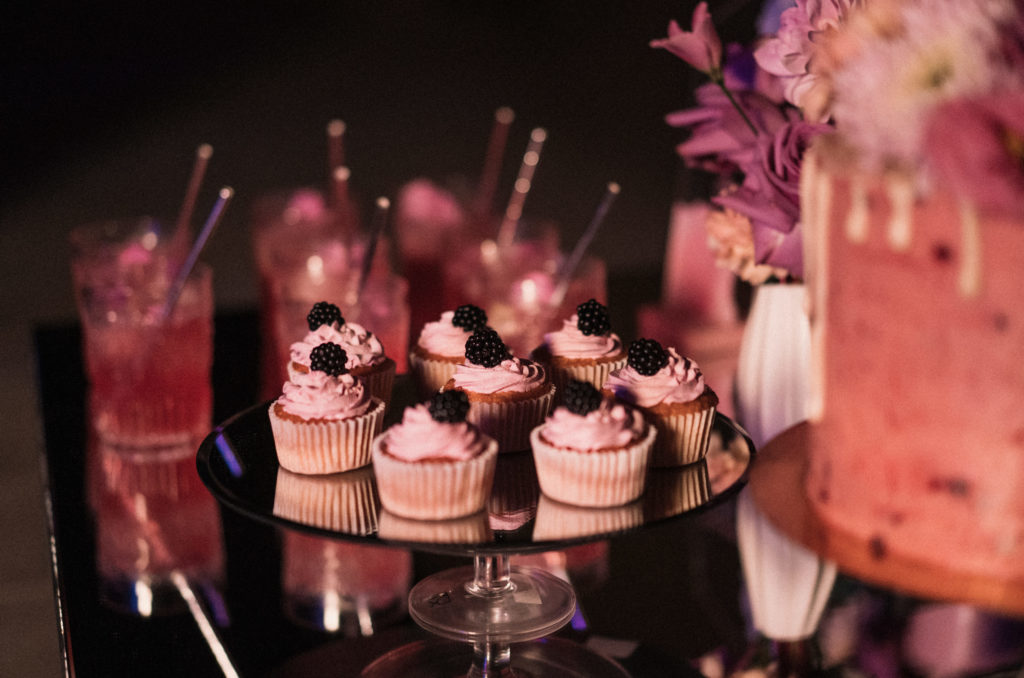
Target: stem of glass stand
492, 576
491, 660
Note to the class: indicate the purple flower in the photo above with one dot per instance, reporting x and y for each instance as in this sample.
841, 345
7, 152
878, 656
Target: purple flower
769, 195
721, 140
701, 47
976, 148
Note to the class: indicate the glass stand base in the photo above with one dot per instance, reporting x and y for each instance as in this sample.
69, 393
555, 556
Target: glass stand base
547, 658
529, 604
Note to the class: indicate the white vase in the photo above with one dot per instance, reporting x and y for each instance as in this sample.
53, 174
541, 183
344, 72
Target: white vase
773, 370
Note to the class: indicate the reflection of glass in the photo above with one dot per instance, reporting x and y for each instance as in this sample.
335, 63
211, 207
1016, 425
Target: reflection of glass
515, 284
154, 520
148, 365
343, 587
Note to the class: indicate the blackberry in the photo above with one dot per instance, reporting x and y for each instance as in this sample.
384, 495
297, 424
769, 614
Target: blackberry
323, 313
646, 356
330, 358
592, 318
485, 348
581, 397
469, 317
449, 407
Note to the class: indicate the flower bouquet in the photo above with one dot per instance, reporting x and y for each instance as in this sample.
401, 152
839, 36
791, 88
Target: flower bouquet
929, 88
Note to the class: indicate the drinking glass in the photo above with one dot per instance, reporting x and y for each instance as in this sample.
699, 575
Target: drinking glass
306, 253
147, 357
515, 284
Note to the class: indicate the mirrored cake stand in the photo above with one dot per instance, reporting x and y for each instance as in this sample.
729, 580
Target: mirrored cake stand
480, 611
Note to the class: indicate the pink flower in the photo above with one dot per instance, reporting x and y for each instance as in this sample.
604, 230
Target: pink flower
976, 148
721, 140
770, 198
701, 47
789, 54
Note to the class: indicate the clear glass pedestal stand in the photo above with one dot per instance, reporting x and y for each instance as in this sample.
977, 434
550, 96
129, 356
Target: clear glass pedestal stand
485, 609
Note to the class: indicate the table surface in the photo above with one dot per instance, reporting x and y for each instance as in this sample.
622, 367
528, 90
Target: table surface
672, 597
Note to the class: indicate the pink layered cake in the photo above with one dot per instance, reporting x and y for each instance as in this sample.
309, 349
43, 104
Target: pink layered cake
917, 311
367, 360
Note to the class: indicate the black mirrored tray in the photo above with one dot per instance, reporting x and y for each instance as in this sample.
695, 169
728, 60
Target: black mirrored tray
238, 463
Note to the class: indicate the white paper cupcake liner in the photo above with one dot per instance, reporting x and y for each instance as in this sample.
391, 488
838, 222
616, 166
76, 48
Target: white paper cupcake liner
320, 447
556, 520
380, 381
510, 421
470, 529
594, 373
682, 438
344, 502
434, 490
609, 478
430, 375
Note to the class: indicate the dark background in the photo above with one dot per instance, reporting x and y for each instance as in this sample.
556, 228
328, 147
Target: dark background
103, 105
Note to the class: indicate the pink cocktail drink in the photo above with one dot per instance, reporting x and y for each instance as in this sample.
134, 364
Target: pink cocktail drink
148, 361
516, 286
305, 254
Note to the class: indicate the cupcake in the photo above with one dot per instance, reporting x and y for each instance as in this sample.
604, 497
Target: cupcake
366, 358
508, 396
670, 389
434, 464
592, 451
441, 346
585, 348
325, 419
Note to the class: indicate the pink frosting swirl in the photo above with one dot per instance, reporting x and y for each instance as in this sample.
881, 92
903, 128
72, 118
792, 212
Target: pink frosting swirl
317, 395
361, 346
569, 342
418, 437
610, 426
513, 375
440, 337
680, 381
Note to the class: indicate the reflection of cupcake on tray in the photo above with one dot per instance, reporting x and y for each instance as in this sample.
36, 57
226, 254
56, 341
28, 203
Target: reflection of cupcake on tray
434, 464
441, 346
592, 451
556, 520
585, 348
671, 391
365, 358
472, 529
671, 491
508, 396
325, 419
344, 502
513, 500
